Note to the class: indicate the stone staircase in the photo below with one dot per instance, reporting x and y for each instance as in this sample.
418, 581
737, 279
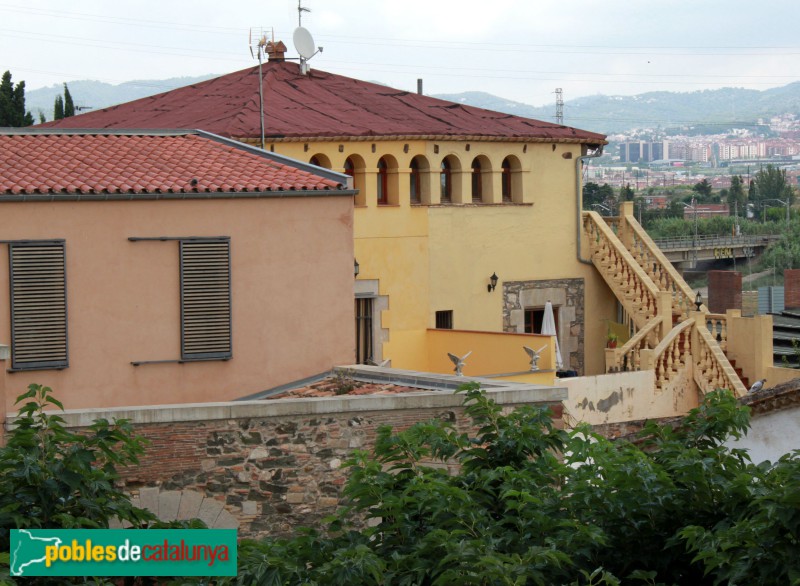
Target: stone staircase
673, 337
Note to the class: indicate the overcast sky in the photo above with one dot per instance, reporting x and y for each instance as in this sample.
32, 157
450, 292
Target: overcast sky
518, 49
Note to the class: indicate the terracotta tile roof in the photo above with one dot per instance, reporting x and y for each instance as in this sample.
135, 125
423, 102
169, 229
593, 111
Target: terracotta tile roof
317, 105
92, 163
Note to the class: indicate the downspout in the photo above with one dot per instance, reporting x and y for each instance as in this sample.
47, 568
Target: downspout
579, 226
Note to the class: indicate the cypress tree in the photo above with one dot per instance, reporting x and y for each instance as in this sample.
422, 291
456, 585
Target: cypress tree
6, 99
58, 108
69, 106
12, 103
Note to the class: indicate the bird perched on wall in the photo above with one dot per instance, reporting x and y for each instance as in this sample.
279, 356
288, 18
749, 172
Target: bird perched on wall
534, 355
757, 386
459, 362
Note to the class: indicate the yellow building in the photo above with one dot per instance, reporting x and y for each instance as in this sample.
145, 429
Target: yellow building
449, 195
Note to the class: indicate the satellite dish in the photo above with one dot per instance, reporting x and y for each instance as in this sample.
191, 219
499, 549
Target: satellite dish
304, 43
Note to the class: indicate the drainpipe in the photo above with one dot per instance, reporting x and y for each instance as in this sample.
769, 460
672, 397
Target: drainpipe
579, 226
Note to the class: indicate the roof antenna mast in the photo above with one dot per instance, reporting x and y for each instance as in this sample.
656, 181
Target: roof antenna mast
300, 10
260, 46
303, 41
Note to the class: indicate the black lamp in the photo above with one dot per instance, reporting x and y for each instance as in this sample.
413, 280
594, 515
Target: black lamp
698, 300
492, 283
356, 268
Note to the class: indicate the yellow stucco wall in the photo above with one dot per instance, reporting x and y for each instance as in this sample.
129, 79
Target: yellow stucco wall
490, 353
432, 256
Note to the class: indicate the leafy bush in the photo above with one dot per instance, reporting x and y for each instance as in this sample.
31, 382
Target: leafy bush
534, 504
53, 478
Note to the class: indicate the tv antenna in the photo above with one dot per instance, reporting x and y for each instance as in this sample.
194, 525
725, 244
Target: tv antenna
260, 46
303, 41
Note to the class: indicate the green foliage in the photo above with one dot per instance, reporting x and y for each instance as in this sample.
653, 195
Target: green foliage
715, 226
597, 194
12, 103
771, 183
69, 106
737, 199
51, 477
58, 108
626, 193
533, 504
703, 189
785, 253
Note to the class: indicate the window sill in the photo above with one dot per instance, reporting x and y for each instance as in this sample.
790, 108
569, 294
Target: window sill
180, 361
36, 368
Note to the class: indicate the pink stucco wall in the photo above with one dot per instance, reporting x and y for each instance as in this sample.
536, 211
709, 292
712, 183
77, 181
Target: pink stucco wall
291, 282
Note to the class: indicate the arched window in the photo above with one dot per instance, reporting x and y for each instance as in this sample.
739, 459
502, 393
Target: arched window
320, 160
446, 182
383, 182
506, 180
415, 179
477, 191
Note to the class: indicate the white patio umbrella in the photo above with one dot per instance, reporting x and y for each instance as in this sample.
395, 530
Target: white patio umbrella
549, 329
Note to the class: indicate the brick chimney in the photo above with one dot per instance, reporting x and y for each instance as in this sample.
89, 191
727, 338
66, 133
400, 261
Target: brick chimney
724, 291
276, 51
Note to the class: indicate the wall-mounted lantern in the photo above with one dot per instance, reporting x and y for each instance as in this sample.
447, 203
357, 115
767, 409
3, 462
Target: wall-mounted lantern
492, 283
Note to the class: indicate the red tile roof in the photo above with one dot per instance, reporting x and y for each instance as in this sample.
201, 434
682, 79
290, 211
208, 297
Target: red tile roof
317, 105
94, 163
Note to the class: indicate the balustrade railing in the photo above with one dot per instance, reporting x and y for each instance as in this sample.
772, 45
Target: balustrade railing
628, 357
672, 356
634, 289
711, 368
640, 275
659, 269
717, 324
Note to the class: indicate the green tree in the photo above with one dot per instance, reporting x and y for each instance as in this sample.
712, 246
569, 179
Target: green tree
52, 477
703, 189
69, 106
737, 200
626, 193
58, 108
678, 507
771, 183
12, 103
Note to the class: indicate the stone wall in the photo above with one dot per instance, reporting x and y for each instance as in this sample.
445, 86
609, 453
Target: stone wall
567, 297
269, 467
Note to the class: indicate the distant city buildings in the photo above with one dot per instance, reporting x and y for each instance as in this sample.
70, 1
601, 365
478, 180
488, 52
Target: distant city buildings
738, 144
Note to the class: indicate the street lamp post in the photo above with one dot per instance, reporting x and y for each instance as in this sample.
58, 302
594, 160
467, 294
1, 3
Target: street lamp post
784, 203
602, 207
693, 207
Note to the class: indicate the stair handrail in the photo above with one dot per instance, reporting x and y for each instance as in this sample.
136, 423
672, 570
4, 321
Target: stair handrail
712, 369
628, 356
642, 282
717, 325
662, 358
683, 296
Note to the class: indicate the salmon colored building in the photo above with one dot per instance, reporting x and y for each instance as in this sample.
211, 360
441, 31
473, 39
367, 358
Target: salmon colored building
146, 268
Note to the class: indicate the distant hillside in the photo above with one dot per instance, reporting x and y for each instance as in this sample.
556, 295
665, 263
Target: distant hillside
722, 109
97, 94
